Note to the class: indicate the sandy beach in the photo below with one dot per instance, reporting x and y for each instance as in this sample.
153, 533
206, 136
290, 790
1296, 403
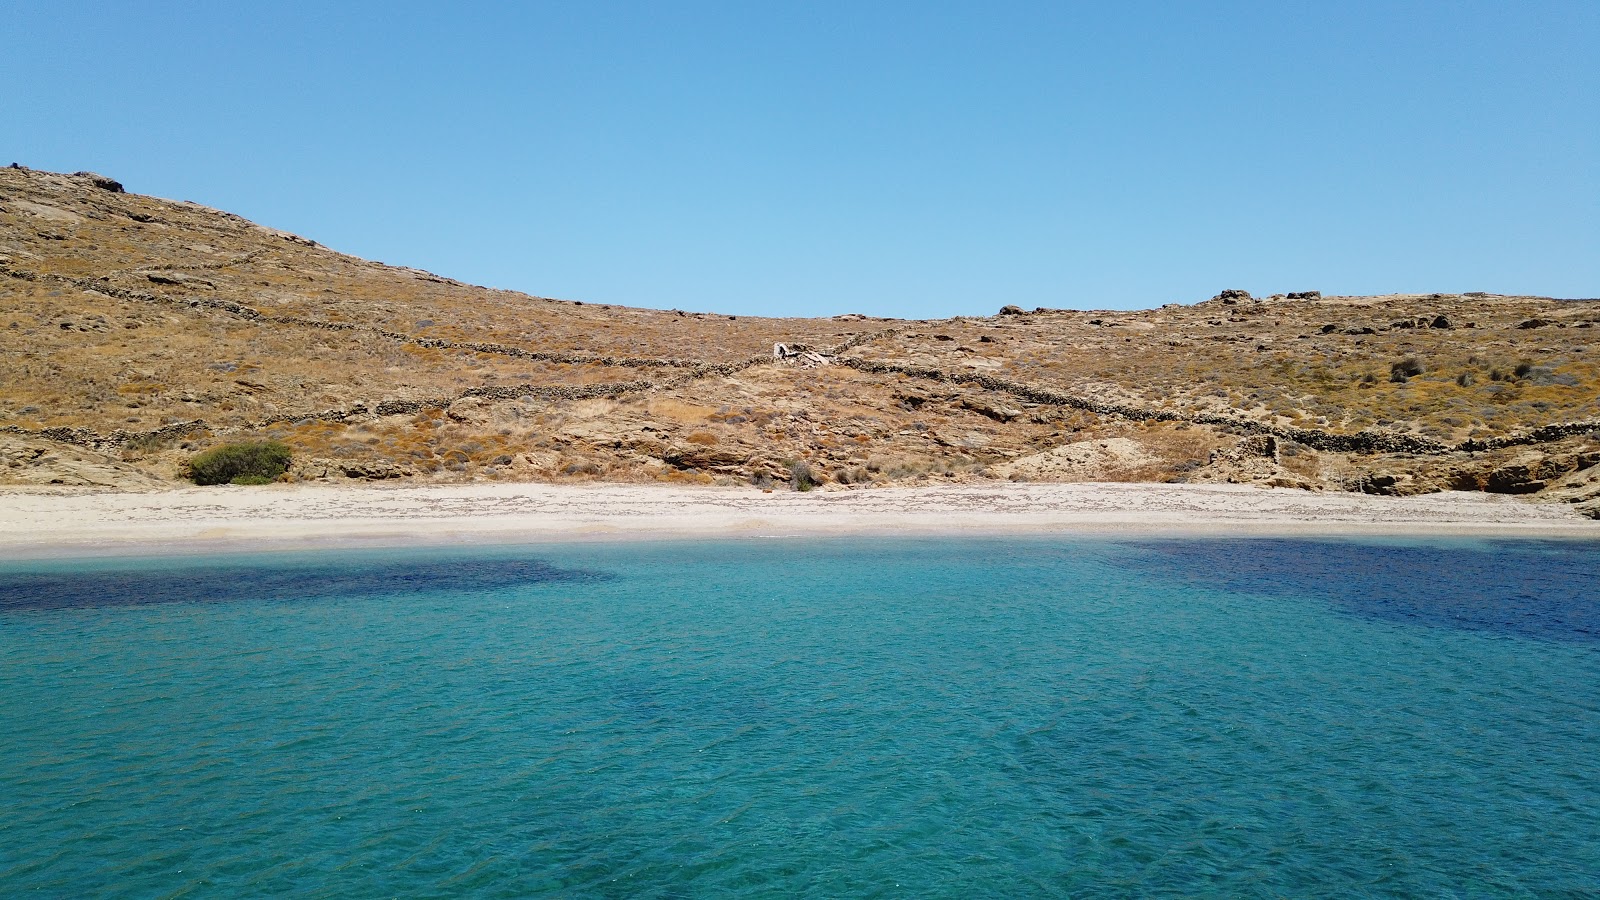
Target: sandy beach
59, 521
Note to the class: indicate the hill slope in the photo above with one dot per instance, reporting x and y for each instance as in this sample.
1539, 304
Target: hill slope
134, 331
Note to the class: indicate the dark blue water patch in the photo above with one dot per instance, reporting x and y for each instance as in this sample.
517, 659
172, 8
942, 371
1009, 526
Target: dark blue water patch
143, 584
1549, 590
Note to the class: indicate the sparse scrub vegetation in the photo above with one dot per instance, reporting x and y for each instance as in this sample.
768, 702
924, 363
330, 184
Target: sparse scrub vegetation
854, 475
347, 362
801, 476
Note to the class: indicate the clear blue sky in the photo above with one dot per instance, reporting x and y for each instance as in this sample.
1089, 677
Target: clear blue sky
914, 159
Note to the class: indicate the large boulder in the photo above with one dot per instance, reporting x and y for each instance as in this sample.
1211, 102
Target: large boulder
100, 181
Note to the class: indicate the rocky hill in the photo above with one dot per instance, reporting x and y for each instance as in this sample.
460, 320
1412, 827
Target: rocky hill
135, 331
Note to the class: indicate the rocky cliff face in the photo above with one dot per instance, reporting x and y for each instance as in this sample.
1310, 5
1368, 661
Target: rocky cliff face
134, 331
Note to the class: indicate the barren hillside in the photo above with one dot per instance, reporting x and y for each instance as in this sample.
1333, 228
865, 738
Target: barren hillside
135, 331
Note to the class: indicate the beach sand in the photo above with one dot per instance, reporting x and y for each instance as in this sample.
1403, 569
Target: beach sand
47, 522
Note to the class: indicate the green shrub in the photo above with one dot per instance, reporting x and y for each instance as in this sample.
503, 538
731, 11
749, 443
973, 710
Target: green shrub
256, 462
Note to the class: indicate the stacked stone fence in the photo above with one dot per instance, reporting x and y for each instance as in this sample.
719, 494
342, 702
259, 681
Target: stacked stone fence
1364, 442
1541, 435
239, 310
699, 368
93, 440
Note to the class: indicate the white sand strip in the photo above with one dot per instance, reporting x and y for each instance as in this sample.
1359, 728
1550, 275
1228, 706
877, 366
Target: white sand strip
36, 522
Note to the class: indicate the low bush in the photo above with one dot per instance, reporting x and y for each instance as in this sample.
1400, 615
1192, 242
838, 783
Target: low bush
801, 475
1405, 369
856, 475
255, 462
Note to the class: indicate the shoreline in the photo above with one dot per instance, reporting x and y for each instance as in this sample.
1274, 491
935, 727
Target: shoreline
54, 523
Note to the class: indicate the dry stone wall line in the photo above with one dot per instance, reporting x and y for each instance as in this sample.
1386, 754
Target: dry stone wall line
729, 369
400, 407
255, 315
699, 368
864, 338
93, 440
1362, 442
1365, 442
192, 267
85, 437
1542, 435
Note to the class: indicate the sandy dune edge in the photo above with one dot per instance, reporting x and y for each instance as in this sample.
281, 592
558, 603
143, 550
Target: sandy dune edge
41, 522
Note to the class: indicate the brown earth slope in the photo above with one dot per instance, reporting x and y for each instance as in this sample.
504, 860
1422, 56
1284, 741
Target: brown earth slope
135, 331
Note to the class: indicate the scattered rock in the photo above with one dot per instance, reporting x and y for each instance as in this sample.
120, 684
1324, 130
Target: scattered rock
1528, 472
100, 181
178, 278
469, 410
374, 470
716, 459
1079, 461
1304, 295
1385, 485
1256, 446
996, 411
1232, 296
29, 461
800, 353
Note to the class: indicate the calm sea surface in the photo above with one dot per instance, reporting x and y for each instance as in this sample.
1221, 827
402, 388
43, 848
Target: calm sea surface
840, 718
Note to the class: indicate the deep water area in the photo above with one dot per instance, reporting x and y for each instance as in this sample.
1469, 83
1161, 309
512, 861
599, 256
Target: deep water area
940, 717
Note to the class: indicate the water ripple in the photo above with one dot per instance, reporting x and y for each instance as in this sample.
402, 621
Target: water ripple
932, 718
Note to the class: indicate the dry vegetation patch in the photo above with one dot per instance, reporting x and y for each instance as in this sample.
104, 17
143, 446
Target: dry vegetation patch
134, 329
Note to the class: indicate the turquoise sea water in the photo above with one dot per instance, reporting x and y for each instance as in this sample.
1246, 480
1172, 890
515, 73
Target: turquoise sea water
948, 718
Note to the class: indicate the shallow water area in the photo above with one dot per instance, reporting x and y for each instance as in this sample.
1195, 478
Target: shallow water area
928, 717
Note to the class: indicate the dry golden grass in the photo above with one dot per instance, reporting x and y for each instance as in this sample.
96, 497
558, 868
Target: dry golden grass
114, 316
